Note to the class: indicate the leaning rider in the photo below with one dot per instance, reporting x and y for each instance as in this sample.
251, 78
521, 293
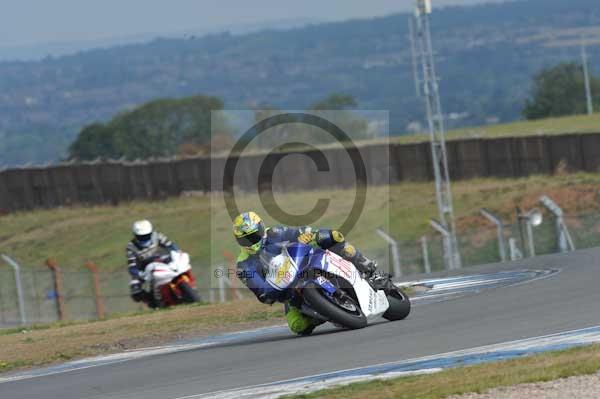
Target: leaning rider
250, 232
141, 251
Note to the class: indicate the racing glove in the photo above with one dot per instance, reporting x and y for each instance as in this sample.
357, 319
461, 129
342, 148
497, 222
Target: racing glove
136, 291
306, 238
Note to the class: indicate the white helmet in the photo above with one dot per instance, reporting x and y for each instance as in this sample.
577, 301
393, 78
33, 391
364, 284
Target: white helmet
142, 229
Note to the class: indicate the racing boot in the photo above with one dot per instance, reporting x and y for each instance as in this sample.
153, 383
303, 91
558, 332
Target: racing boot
364, 265
298, 322
382, 281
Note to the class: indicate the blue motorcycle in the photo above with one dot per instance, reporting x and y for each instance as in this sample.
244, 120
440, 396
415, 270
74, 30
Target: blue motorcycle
329, 287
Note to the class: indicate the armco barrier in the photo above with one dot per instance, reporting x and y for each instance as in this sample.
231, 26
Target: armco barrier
115, 181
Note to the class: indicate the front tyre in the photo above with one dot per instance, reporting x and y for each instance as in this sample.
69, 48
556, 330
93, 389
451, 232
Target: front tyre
188, 294
399, 305
342, 310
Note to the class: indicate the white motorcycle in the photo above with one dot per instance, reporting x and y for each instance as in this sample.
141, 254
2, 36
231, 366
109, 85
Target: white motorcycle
171, 280
331, 288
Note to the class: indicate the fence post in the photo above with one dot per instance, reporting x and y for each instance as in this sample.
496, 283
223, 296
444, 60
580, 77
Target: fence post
448, 260
395, 252
515, 252
58, 288
500, 231
20, 295
97, 297
425, 250
565, 242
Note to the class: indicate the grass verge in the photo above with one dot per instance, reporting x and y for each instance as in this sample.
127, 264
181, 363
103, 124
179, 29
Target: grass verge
99, 234
539, 368
75, 235
50, 343
550, 126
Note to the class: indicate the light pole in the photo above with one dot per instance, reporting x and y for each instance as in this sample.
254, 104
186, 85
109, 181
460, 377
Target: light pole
437, 133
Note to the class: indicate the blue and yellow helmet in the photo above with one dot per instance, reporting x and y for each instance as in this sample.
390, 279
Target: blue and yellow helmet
249, 231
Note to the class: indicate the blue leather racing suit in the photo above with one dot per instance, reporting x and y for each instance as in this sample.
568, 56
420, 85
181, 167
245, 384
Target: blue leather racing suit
250, 269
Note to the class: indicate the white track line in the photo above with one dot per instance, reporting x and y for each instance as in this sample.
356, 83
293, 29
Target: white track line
424, 365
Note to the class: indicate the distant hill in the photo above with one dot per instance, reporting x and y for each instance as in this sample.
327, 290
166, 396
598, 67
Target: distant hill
486, 57
37, 51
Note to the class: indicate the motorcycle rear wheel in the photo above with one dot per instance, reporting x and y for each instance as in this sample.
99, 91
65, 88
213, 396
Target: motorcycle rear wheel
399, 305
350, 316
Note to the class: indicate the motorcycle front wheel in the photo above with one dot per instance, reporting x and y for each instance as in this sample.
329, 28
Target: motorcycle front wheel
342, 310
188, 294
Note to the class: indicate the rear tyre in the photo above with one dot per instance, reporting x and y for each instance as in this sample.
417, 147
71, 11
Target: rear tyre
351, 317
399, 305
188, 294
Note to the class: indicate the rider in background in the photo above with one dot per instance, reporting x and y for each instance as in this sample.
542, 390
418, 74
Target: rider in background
250, 233
141, 251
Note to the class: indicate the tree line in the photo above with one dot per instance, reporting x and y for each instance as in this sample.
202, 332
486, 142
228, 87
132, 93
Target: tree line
169, 127
560, 91
193, 125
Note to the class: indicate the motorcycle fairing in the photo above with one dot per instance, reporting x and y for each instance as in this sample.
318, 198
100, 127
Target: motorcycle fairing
373, 303
161, 273
325, 284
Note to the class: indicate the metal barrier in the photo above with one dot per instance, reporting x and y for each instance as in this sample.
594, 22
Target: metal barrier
17, 268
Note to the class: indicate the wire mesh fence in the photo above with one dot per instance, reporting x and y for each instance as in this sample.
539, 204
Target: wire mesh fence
478, 245
76, 291
40, 295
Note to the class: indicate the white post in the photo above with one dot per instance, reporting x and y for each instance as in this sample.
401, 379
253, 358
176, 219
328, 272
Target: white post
565, 242
426, 264
532, 218
515, 252
530, 237
20, 295
447, 239
395, 252
500, 231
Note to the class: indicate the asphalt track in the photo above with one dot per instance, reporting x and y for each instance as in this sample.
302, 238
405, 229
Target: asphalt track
565, 301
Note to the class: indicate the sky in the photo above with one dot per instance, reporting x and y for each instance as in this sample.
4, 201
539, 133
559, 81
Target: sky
32, 22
